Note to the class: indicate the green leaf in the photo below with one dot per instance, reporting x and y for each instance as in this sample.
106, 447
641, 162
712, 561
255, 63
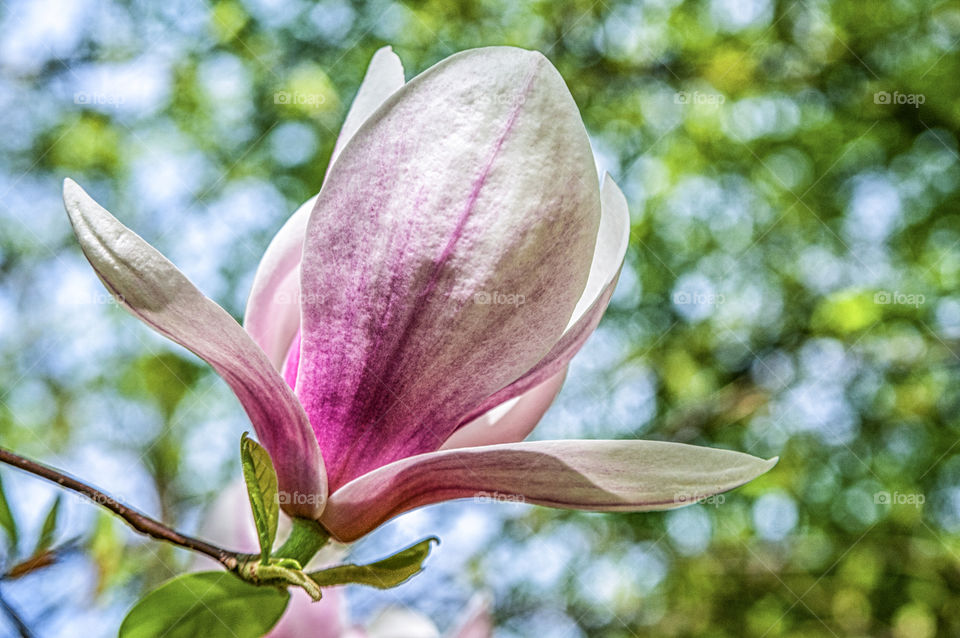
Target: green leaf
49, 528
382, 574
8, 522
208, 604
261, 481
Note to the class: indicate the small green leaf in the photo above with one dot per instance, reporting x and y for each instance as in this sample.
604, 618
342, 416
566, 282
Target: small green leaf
261, 481
208, 604
49, 528
382, 574
8, 522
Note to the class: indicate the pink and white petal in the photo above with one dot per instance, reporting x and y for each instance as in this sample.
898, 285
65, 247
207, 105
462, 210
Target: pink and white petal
512, 421
383, 78
611, 248
152, 289
272, 316
401, 622
273, 309
474, 182
477, 621
325, 618
611, 476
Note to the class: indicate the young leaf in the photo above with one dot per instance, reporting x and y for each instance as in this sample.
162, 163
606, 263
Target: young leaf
8, 522
382, 574
208, 604
49, 528
261, 479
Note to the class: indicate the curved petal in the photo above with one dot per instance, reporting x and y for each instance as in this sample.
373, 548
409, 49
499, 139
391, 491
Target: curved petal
383, 78
273, 309
452, 240
153, 290
624, 476
401, 622
611, 248
272, 316
476, 621
509, 422
325, 618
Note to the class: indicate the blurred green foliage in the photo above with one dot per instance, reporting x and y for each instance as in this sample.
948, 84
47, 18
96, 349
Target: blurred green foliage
793, 176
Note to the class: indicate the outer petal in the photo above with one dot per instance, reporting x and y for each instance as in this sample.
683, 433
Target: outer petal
477, 621
512, 421
400, 622
611, 248
273, 310
452, 241
626, 476
153, 290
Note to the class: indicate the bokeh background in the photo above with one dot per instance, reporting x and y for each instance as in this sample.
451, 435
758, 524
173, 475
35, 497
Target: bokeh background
791, 289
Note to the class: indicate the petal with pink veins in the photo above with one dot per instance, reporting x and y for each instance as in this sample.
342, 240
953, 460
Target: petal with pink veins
151, 288
273, 309
610, 476
452, 240
611, 248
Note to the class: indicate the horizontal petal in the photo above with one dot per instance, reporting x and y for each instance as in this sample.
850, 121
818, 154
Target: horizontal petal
512, 421
623, 476
611, 248
273, 309
451, 241
153, 290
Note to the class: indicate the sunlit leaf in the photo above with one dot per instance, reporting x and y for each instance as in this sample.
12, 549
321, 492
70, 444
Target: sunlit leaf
261, 480
207, 604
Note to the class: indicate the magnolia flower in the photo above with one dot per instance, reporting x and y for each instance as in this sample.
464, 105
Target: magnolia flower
423, 307
230, 523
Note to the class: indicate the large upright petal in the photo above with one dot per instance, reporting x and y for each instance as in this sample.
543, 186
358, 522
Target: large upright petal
624, 476
273, 310
611, 248
153, 290
451, 241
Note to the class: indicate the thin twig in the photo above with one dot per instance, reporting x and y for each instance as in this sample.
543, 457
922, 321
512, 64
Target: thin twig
137, 520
